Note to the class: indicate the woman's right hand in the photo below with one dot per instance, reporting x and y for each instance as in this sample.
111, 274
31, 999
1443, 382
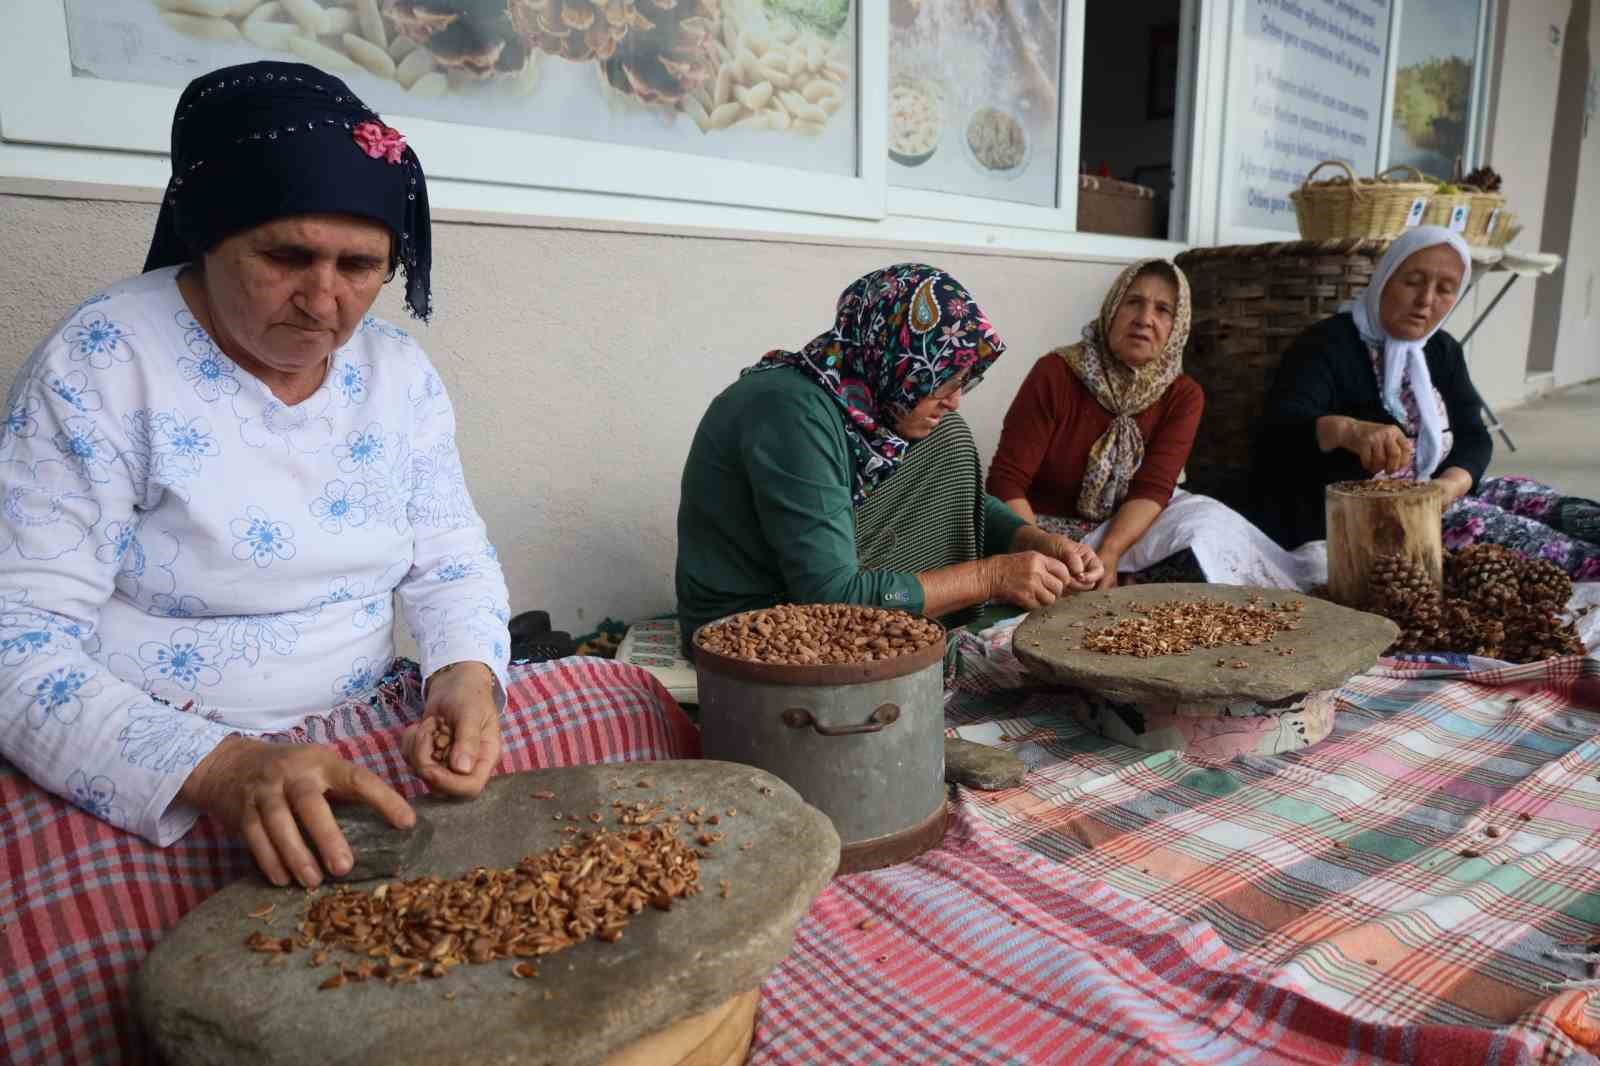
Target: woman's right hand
275, 794
1028, 579
1381, 448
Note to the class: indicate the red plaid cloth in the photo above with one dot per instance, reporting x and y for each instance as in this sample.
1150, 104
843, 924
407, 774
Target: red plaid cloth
981, 952
82, 903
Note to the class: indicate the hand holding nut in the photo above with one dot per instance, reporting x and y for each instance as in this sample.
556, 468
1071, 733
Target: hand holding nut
456, 745
1028, 579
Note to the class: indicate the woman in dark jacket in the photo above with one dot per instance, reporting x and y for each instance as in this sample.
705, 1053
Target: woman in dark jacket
1378, 390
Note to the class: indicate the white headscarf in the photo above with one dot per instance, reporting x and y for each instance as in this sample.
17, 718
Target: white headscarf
1403, 360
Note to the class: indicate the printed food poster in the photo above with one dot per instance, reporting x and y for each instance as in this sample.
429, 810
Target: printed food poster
974, 98
764, 81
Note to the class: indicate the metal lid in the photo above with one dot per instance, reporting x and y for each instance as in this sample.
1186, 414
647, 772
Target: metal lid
815, 673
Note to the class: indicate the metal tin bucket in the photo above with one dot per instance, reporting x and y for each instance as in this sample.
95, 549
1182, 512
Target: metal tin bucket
862, 742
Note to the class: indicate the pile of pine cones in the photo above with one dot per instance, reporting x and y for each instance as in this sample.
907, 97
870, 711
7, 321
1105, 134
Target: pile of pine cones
1495, 603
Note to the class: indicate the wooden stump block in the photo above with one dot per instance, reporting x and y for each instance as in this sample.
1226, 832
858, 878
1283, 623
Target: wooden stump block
1368, 519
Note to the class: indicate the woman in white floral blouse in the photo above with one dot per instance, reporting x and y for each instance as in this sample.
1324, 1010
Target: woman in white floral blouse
219, 475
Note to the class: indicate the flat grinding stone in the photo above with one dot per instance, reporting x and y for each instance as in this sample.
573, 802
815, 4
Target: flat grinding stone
1332, 645
204, 998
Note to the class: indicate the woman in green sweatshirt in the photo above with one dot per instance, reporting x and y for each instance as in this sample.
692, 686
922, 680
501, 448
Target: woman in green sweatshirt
842, 473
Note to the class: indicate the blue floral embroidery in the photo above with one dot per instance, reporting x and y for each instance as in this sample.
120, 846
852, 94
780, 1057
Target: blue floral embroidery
361, 449
97, 795
163, 740
340, 590
243, 636
363, 677
167, 448
185, 661
350, 380
48, 513
456, 568
205, 367
122, 546
428, 398
303, 428
96, 339
178, 606
74, 389
21, 423
59, 694
260, 538
18, 648
341, 505
85, 448
374, 612
371, 324
191, 440
439, 496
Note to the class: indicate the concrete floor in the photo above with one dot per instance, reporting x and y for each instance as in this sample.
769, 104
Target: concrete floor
1558, 441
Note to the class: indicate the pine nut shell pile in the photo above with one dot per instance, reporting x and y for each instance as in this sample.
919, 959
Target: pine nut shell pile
819, 633
590, 887
1173, 627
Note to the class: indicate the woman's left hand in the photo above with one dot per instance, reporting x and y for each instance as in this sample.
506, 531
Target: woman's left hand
1108, 579
1086, 567
461, 696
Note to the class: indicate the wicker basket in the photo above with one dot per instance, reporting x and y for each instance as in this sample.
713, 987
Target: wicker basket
1106, 205
1349, 207
1505, 230
1483, 205
1249, 304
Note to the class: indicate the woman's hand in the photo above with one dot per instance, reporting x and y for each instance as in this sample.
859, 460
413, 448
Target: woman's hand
1027, 579
461, 696
1084, 568
1381, 448
1108, 579
274, 795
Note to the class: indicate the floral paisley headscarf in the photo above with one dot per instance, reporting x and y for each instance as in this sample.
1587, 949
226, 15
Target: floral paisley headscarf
900, 333
1123, 391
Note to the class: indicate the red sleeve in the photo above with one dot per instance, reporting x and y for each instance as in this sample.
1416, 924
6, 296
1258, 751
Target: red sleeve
1170, 442
1029, 427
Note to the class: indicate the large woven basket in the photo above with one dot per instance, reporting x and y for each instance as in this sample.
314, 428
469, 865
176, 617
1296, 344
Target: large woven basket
1484, 205
1348, 207
1249, 304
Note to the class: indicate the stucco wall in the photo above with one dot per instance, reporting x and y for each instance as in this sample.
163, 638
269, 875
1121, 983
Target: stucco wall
579, 363
1578, 342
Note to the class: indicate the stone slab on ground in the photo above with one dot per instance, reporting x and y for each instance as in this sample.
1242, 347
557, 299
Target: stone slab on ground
205, 998
1332, 645
981, 766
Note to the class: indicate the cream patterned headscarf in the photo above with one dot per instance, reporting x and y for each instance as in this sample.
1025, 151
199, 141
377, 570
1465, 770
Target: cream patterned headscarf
1123, 391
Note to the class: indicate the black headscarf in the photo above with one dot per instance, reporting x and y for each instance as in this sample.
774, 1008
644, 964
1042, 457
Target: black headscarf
265, 140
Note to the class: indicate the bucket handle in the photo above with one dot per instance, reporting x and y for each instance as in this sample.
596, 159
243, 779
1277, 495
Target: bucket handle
799, 718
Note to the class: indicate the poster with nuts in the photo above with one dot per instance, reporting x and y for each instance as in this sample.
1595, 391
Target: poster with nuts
974, 102
763, 81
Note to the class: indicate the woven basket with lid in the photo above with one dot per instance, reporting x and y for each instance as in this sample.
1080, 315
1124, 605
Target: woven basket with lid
1249, 303
1347, 206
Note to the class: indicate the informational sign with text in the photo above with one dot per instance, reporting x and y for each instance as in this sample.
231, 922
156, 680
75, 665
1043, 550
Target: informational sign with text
1306, 87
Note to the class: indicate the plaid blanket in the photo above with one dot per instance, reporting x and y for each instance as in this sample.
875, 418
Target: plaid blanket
1425, 865
82, 903
1122, 907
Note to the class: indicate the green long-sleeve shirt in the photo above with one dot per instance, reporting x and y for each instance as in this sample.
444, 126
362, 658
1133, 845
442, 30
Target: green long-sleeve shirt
765, 514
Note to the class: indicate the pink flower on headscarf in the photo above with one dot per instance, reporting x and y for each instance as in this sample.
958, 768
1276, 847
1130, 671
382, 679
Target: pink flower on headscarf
380, 141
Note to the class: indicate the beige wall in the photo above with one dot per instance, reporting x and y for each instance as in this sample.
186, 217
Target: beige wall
1519, 148
579, 363
1578, 342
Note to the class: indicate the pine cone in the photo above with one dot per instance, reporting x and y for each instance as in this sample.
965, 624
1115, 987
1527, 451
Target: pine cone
578, 30
472, 36
1544, 584
669, 52
1483, 178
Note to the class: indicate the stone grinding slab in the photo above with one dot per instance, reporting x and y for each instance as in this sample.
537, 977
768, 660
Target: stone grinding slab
204, 998
1332, 645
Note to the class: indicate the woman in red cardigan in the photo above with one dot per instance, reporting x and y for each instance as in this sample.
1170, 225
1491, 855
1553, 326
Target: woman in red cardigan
1098, 434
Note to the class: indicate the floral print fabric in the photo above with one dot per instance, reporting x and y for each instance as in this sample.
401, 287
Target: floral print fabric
1123, 391
182, 556
1531, 518
1411, 418
898, 335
